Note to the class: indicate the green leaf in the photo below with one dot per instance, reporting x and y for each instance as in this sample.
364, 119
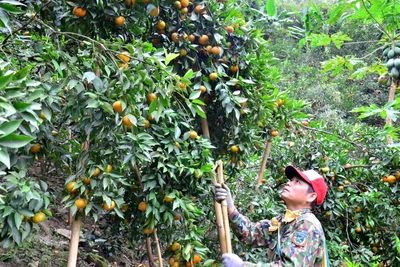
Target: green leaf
189, 74
15, 140
5, 80
200, 111
4, 157
9, 127
170, 57
57, 66
153, 106
17, 220
195, 94
271, 8
11, 9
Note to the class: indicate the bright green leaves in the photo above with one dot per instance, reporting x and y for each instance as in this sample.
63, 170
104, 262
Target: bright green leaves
270, 8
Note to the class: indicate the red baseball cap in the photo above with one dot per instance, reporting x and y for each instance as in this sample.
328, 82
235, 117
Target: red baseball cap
312, 177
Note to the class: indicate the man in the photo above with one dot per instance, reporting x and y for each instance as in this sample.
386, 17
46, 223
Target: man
295, 238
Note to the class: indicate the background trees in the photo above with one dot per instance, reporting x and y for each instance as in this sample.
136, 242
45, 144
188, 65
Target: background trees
135, 101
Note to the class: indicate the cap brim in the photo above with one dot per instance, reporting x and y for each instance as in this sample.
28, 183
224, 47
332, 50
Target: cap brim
291, 172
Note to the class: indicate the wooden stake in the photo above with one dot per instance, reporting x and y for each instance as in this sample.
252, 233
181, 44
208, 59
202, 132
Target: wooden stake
264, 161
158, 248
392, 91
74, 243
224, 207
149, 252
220, 227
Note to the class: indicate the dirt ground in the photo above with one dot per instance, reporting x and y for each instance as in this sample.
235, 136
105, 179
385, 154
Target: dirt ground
49, 243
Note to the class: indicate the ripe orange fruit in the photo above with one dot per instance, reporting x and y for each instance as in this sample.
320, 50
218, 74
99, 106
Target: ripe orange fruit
147, 231
109, 168
229, 29
234, 68
109, 207
150, 97
263, 181
358, 230
146, 1
39, 217
119, 21
177, 217
154, 12
124, 56
213, 76
203, 40
142, 206
305, 123
177, 5
129, 3
184, 3
280, 102
86, 180
79, 12
346, 182
184, 10
193, 134
216, 50
175, 37
182, 85
96, 172
81, 203
126, 121
325, 169
203, 89
183, 52
147, 124
175, 246
209, 48
161, 25
391, 179
123, 65
234, 149
70, 187
196, 259
192, 38
357, 209
171, 261
117, 106
35, 148
233, 158
340, 188
125, 207
168, 199
177, 145
274, 133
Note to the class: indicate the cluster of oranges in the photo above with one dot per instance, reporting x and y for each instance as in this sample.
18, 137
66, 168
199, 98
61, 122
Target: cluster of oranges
391, 179
178, 261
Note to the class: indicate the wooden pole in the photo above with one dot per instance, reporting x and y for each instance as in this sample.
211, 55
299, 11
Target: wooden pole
264, 161
221, 229
74, 243
392, 92
158, 248
224, 207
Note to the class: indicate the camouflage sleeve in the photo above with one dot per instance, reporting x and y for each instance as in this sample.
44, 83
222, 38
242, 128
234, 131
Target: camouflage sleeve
255, 234
302, 247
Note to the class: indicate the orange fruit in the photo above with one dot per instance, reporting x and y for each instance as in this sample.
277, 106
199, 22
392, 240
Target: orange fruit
81, 203
129, 3
196, 259
126, 121
35, 148
86, 180
117, 106
125, 207
358, 230
177, 145
391, 179
109, 207
192, 38
147, 231
79, 12
280, 102
146, 1
175, 246
198, 9
340, 188
183, 52
325, 169
274, 133
177, 5
154, 12
305, 123
234, 149
171, 261
357, 209
229, 29
213, 76
203, 40
142, 206
177, 217
39, 217
150, 97
184, 10
123, 65
203, 89
42, 116
168, 199
70, 187
175, 37
124, 56
233, 158
120, 21
234, 68
161, 25
96, 172
182, 85
109, 168
184, 3
193, 135
216, 50
147, 124
209, 48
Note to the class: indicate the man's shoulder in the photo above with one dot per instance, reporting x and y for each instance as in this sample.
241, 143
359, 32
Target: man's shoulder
311, 218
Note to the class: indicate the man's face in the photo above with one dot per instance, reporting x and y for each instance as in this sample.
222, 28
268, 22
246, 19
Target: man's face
295, 192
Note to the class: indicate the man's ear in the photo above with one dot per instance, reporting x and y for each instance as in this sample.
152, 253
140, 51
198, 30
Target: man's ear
311, 197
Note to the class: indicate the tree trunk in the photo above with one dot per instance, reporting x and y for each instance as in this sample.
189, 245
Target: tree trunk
264, 161
74, 243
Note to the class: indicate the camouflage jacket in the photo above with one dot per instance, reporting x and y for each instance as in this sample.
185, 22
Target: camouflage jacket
302, 240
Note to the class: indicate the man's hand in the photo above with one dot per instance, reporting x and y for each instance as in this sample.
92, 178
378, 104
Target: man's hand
232, 260
223, 193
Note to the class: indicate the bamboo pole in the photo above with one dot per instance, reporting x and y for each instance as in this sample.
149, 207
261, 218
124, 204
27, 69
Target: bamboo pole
264, 161
158, 247
392, 92
220, 227
74, 243
224, 207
